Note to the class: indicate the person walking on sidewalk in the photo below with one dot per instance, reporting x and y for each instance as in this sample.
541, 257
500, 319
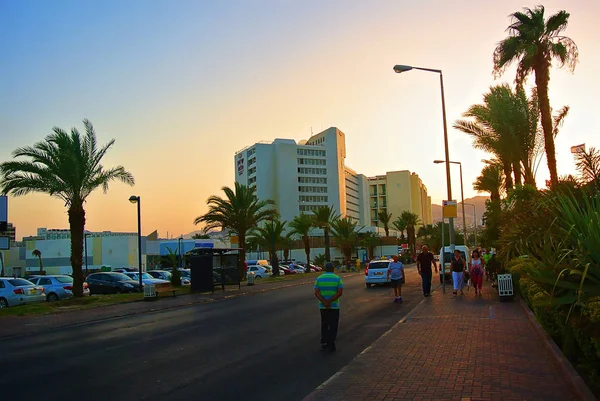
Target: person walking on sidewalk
396, 277
328, 290
458, 268
476, 271
424, 262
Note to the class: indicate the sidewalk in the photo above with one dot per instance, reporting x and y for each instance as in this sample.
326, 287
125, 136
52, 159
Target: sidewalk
454, 347
11, 326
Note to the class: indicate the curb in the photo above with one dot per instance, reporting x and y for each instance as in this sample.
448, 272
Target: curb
577, 383
160, 309
340, 372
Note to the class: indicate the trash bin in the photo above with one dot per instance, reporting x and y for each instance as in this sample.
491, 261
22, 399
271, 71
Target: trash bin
505, 286
149, 292
250, 278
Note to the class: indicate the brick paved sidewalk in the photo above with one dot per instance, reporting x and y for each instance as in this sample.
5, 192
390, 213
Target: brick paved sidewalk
22, 325
454, 347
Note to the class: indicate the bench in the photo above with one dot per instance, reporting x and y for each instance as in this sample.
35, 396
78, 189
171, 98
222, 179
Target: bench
167, 289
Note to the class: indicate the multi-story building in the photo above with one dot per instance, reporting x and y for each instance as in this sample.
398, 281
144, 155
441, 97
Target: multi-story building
398, 191
11, 232
300, 177
65, 233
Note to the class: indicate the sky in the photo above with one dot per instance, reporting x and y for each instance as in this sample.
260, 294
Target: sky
181, 86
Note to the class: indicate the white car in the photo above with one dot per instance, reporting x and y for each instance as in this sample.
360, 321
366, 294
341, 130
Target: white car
259, 271
146, 278
377, 272
18, 291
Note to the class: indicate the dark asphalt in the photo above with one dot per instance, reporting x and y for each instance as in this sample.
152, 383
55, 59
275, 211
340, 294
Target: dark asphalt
259, 347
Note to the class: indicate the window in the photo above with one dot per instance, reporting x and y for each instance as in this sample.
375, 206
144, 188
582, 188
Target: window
45, 281
19, 282
64, 280
2, 284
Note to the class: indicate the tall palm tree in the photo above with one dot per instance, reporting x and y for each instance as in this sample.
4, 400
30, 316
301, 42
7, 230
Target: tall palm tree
324, 216
400, 225
385, 218
588, 164
533, 43
490, 180
271, 235
345, 234
301, 225
38, 254
412, 221
67, 166
239, 211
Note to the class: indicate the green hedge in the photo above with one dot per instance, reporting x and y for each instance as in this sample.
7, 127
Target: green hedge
578, 338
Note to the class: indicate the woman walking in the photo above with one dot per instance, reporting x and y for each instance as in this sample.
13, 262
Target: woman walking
458, 267
476, 269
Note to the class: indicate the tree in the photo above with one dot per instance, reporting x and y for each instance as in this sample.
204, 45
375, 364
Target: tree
588, 164
400, 225
173, 260
66, 166
384, 218
271, 235
301, 225
38, 254
345, 234
490, 180
239, 211
412, 221
200, 236
533, 43
324, 216
369, 240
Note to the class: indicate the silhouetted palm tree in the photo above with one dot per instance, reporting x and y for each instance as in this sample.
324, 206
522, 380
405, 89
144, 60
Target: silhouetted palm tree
384, 218
301, 225
324, 216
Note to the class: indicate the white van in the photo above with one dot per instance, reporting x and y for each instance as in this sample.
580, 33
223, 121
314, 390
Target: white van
447, 258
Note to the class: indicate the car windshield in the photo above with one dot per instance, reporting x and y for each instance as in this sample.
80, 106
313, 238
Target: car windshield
64, 279
184, 273
146, 276
120, 277
19, 282
378, 265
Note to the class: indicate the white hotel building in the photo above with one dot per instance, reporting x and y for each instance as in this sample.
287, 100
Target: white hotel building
304, 176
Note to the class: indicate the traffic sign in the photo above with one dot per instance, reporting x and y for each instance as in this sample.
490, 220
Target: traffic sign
450, 209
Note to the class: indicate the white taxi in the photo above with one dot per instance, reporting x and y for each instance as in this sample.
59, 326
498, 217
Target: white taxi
377, 272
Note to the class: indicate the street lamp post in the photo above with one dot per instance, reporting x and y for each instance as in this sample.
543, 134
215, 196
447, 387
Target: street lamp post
474, 220
179, 251
462, 196
136, 199
273, 255
403, 68
85, 237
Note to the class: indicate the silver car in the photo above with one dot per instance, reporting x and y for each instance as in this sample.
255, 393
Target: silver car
57, 286
18, 291
146, 278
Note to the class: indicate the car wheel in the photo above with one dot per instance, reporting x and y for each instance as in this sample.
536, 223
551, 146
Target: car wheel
3, 303
368, 285
257, 277
52, 297
118, 292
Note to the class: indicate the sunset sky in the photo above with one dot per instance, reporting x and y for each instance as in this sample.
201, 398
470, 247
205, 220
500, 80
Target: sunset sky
183, 85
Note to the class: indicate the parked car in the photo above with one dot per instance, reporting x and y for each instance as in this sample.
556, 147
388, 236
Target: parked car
166, 275
146, 278
297, 268
259, 271
58, 286
377, 272
111, 283
124, 269
446, 251
18, 291
286, 270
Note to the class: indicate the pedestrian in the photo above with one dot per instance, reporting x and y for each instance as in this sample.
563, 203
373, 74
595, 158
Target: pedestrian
424, 262
328, 290
396, 277
486, 256
476, 271
458, 268
358, 265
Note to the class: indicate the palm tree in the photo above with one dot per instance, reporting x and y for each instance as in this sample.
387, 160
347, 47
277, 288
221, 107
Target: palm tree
490, 180
412, 221
384, 218
533, 43
67, 166
271, 235
324, 216
38, 254
286, 244
369, 240
301, 225
588, 164
345, 234
400, 225
239, 211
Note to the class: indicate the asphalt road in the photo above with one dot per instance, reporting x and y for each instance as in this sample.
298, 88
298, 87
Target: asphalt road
260, 347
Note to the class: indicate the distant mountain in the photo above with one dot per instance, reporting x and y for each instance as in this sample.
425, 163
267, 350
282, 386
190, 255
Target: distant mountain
478, 201
212, 234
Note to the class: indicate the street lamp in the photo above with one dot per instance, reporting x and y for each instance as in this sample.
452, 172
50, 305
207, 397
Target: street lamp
85, 236
462, 195
404, 68
136, 199
474, 220
179, 251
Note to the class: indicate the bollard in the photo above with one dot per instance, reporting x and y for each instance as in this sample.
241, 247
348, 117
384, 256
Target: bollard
250, 278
